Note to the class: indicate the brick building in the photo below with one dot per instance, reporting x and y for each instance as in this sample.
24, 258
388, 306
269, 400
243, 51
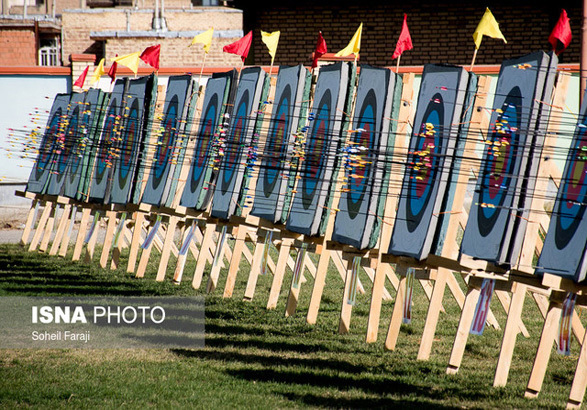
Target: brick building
441, 30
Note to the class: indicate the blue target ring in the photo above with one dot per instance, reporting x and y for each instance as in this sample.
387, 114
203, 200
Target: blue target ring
571, 204
275, 148
204, 139
130, 143
500, 161
49, 142
364, 138
235, 148
425, 162
316, 151
166, 141
103, 152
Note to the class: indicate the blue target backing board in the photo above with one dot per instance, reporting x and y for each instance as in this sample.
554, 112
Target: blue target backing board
430, 154
90, 112
128, 159
290, 94
93, 119
323, 139
65, 144
238, 144
500, 208
101, 178
371, 141
198, 190
174, 115
42, 168
563, 252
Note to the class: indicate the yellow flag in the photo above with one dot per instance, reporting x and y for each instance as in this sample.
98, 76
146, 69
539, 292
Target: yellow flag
204, 38
488, 26
270, 40
98, 72
354, 46
130, 60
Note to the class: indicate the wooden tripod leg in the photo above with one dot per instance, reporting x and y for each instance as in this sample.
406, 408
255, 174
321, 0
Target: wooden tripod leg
67, 235
49, 229
92, 243
396, 317
146, 253
255, 269
505, 300
544, 348
215, 270
237, 252
433, 313
580, 380
110, 229
318, 288
376, 300
284, 249
119, 245
207, 243
81, 234
344, 323
166, 251
41, 226
181, 259
467, 314
135, 242
61, 227
30, 222
509, 335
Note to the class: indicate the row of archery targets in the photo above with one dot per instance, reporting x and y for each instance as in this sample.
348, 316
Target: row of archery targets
347, 166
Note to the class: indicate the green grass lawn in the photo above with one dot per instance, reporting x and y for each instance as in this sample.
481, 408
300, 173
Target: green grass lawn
256, 358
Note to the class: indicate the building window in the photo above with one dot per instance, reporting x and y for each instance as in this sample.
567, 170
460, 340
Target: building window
49, 52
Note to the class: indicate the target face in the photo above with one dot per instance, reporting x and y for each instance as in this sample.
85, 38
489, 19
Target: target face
500, 162
235, 145
204, 139
45, 163
426, 160
366, 138
104, 158
236, 150
317, 151
130, 144
166, 142
573, 193
277, 142
425, 194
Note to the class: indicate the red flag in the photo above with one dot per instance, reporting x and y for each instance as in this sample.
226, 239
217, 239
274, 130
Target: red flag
321, 49
240, 47
112, 71
560, 38
151, 56
82, 78
404, 42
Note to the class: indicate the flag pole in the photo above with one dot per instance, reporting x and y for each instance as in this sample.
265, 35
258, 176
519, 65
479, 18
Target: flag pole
473, 60
397, 64
202, 69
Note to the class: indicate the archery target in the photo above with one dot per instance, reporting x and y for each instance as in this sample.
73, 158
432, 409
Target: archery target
563, 252
496, 224
430, 155
272, 184
199, 188
127, 158
65, 145
178, 89
41, 171
324, 136
368, 139
105, 156
238, 143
